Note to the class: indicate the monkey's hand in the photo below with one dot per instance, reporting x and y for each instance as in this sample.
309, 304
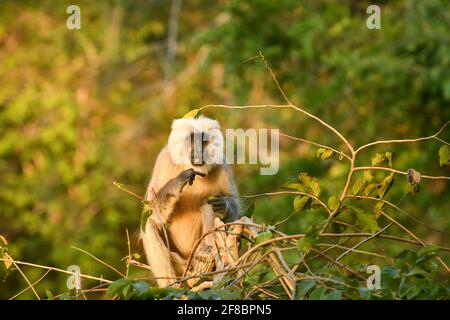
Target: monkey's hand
188, 176
220, 205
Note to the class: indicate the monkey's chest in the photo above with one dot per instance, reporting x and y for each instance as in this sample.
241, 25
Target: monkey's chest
186, 226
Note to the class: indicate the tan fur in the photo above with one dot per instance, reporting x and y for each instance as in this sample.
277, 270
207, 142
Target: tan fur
171, 232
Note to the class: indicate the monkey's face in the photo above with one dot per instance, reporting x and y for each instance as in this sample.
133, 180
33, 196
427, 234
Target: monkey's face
196, 143
199, 144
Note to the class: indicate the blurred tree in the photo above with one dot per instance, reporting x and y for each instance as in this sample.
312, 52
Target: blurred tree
80, 109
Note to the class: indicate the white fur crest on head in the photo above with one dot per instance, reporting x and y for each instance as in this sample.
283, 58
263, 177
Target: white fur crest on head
179, 138
201, 124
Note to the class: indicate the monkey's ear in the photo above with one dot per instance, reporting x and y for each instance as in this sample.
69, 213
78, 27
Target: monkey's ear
193, 114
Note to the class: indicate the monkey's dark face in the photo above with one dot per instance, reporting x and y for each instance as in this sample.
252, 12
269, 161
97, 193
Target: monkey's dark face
199, 142
196, 143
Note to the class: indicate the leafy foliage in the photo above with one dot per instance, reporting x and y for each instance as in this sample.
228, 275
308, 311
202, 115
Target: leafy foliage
98, 108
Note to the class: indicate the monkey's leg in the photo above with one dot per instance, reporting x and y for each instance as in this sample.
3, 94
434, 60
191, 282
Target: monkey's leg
158, 255
208, 224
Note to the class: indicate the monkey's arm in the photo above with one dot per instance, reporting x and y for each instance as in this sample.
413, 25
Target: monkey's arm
158, 255
227, 205
166, 198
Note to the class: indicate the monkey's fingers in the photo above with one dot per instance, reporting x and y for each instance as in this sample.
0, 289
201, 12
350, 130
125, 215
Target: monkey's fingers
218, 205
220, 212
215, 201
201, 174
219, 208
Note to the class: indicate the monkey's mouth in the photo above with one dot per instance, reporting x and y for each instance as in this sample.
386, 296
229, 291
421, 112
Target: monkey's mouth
198, 161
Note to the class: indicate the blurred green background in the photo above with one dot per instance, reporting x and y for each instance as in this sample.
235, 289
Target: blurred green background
80, 109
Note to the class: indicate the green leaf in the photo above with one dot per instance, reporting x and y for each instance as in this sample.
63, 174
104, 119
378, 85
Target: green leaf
255, 274
311, 236
140, 287
385, 185
305, 244
300, 202
427, 250
315, 204
378, 159
412, 188
3, 239
324, 153
389, 158
295, 186
360, 183
364, 293
317, 294
367, 220
343, 240
146, 213
263, 236
116, 288
444, 156
334, 295
247, 207
156, 293
311, 183
49, 294
193, 114
333, 203
303, 288
125, 291
368, 176
315, 187
370, 188
377, 209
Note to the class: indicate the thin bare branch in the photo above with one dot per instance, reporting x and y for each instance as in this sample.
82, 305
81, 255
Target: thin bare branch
434, 136
399, 210
414, 237
101, 261
314, 144
401, 172
27, 288
276, 193
59, 270
26, 279
362, 242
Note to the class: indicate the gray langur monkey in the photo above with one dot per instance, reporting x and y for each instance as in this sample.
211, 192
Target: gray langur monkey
191, 185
